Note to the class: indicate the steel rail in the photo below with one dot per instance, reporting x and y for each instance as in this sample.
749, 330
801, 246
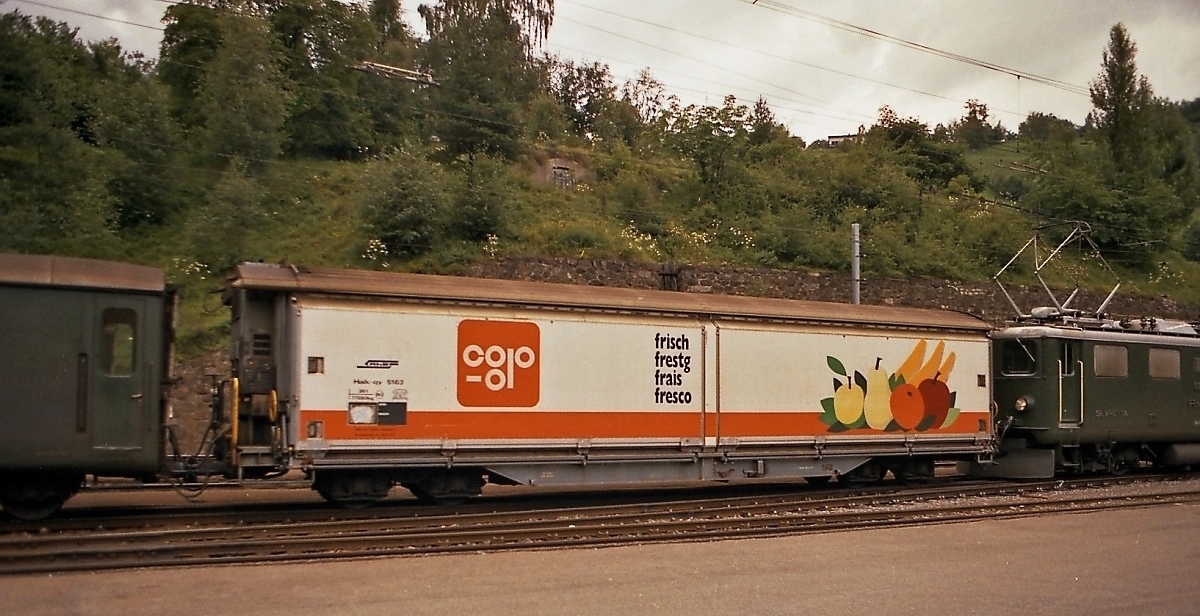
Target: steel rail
540, 529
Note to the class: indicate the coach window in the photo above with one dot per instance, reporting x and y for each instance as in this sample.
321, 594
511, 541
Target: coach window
1018, 357
1164, 364
1111, 360
117, 345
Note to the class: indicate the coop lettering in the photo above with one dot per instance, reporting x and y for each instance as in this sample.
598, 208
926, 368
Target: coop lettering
672, 360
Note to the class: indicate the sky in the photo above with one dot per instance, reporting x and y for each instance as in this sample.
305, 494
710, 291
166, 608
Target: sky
824, 66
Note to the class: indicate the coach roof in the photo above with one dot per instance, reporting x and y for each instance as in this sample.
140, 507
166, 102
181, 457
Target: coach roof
424, 287
54, 271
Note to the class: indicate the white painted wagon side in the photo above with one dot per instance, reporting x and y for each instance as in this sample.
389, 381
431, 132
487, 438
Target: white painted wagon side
385, 377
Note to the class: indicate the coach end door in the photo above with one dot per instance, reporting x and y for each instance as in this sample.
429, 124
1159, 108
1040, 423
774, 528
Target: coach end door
118, 384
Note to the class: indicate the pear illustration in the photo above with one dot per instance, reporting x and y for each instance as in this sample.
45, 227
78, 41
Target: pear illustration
877, 404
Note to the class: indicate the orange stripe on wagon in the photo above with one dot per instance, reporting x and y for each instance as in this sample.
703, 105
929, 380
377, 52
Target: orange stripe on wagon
514, 425
472, 424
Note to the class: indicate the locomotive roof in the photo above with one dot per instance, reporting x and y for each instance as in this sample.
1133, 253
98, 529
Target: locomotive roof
1112, 333
55, 271
424, 287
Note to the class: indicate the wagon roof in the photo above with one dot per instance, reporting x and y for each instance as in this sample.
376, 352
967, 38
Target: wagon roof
48, 270
424, 287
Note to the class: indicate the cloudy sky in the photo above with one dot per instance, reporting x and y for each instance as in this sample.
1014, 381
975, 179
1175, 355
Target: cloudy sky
825, 66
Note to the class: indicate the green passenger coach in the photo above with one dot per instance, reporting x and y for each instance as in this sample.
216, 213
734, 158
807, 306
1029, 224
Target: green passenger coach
85, 355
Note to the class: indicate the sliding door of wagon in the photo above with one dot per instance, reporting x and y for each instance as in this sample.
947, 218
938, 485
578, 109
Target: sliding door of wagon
462, 378
624, 380
784, 384
771, 378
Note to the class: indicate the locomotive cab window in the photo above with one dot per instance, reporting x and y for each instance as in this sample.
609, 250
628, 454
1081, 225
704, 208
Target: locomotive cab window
1019, 357
1111, 360
1164, 364
118, 345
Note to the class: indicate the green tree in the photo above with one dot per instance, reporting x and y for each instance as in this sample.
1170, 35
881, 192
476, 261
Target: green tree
647, 96
190, 41
533, 17
1038, 126
931, 163
480, 52
763, 125
142, 142
478, 208
974, 129
322, 41
243, 94
220, 232
711, 137
1121, 98
390, 104
582, 90
53, 193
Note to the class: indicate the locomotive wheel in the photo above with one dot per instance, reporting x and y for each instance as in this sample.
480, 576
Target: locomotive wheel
1123, 460
32, 499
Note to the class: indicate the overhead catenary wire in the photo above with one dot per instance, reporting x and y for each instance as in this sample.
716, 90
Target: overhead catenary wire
782, 7
773, 55
87, 14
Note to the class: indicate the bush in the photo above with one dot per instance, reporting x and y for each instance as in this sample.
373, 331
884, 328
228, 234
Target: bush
405, 205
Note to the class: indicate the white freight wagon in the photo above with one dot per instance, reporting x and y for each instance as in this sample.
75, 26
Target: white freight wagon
440, 384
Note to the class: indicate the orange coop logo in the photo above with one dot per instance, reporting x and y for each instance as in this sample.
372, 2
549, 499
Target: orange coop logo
499, 363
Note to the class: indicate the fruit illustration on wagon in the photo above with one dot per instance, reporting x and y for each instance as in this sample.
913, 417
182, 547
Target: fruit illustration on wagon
916, 397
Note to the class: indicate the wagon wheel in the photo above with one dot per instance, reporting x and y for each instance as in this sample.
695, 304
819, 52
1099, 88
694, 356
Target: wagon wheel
32, 499
818, 480
351, 489
869, 472
440, 500
916, 471
446, 488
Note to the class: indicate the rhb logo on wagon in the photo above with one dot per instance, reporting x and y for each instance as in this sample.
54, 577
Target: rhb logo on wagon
499, 363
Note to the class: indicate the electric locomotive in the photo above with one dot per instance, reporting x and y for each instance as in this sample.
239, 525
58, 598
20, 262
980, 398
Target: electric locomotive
1079, 393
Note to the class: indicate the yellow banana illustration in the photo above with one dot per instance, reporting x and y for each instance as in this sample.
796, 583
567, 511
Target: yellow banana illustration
927, 371
947, 366
910, 365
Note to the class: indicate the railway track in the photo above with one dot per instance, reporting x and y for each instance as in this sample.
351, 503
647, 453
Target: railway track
224, 537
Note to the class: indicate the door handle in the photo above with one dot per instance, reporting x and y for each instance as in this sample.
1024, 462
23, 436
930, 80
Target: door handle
82, 374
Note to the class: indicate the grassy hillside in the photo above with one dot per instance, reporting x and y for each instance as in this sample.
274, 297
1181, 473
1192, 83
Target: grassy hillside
315, 212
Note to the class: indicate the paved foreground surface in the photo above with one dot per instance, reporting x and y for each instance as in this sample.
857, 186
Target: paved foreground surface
1139, 561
